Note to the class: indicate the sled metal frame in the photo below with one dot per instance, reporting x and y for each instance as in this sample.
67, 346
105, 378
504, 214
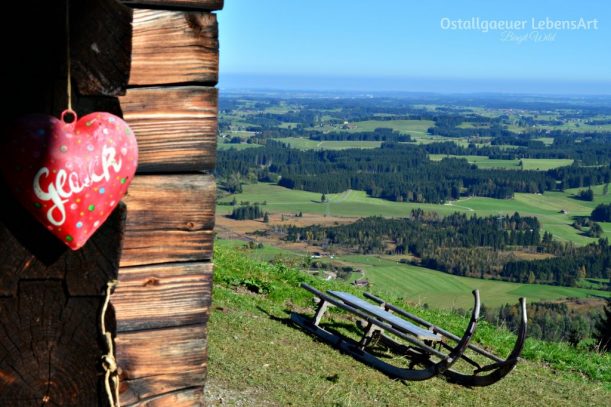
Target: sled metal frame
423, 338
381, 320
499, 367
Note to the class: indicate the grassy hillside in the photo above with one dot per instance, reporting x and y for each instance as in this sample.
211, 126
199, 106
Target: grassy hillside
442, 290
421, 285
258, 358
485, 162
547, 207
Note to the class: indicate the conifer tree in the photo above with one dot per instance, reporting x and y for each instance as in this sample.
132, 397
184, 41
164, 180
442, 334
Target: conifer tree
603, 329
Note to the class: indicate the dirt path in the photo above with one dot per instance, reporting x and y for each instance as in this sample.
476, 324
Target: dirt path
451, 203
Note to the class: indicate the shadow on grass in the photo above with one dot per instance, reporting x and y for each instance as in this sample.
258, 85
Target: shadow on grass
340, 329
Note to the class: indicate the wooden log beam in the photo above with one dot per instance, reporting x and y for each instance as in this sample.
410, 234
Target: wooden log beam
29, 252
49, 348
175, 127
162, 390
154, 297
172, 47
170, 219
50, 299
160, 352
100, 56
204, 5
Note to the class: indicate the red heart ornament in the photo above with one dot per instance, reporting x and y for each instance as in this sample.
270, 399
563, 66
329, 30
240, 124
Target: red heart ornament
70, 176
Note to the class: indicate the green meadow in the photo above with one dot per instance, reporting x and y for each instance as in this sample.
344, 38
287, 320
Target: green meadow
422, 285
307, 144
441, 290
402, 126
258, 358
547, 207
541, 164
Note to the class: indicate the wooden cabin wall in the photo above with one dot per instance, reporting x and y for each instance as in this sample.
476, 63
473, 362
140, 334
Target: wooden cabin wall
163, 298
50, 296
156, 64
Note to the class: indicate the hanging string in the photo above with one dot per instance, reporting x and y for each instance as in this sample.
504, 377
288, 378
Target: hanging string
68, 58
111, 374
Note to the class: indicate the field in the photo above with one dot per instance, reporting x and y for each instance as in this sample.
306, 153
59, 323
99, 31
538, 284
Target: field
402, 126
441, 290
547, 207
258, 358
241, 146
483, 162
307, 144
421, 285
545, 163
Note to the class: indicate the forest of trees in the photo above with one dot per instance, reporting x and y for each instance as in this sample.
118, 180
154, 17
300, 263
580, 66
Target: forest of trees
397, 172
552, 321
379, 134
586, 195
602, 213
423, 230
467, 246
593, 261
247, 212
587, 153
510, 248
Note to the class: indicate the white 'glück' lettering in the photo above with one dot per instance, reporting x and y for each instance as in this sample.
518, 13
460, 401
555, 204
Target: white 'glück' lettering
57, 192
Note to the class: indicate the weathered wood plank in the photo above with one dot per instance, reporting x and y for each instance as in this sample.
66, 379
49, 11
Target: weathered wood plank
178, 4
158, 352
49, 348
172, 247
29, 251
155, 297
169, 219
183, 398
175, 127
159, 387
100, 56
174, 47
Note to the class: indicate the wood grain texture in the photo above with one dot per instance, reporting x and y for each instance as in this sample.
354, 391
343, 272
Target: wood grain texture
29, 252
170, 219
164, 296
160, 352
178, 4
175, 127
49, 348
160, 390
100, 56
181, 398
171, 47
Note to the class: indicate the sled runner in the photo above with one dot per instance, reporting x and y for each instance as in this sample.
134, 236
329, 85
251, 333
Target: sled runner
430, 350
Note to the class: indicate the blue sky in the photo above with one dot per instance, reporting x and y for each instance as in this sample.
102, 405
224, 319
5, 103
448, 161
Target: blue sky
401, 45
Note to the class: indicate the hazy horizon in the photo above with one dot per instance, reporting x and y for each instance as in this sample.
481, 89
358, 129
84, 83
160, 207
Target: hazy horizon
471, 46
386, 84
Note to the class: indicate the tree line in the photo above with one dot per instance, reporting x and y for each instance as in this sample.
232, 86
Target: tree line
247, 212
469, 246
602, 213
397, 172
379, 134
558, 322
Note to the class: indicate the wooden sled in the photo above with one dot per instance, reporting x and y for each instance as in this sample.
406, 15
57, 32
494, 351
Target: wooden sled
379, 321
481, 375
